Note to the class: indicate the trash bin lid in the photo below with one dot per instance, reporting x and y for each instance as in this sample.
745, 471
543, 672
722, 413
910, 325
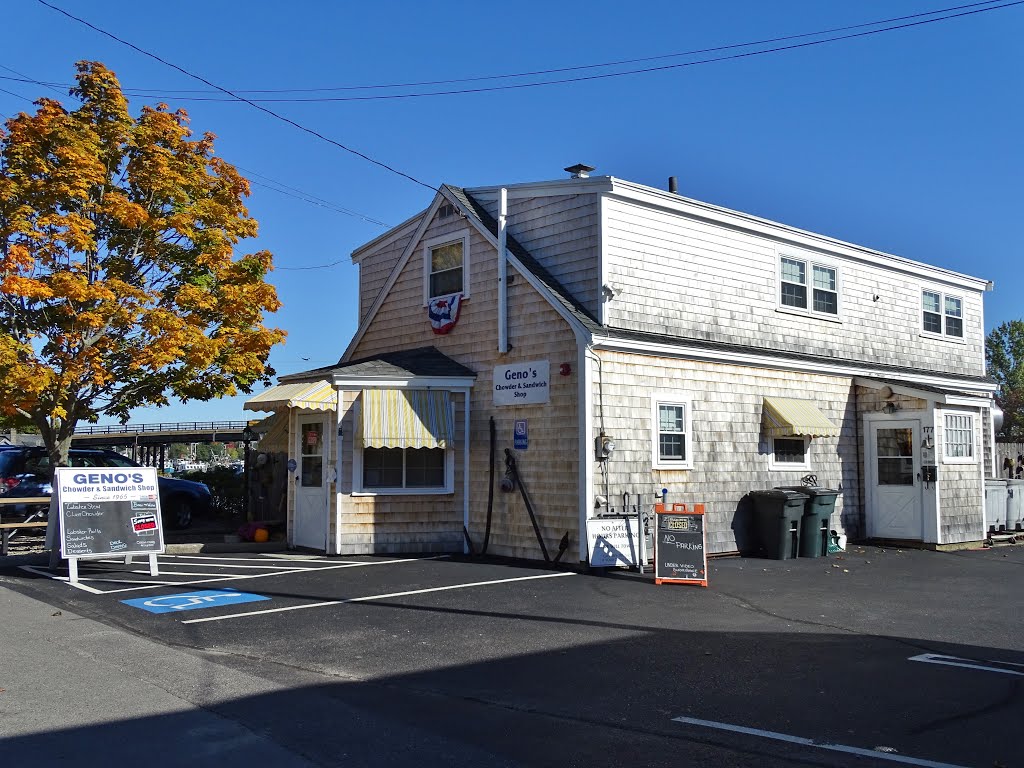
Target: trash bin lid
781, 493
811, 490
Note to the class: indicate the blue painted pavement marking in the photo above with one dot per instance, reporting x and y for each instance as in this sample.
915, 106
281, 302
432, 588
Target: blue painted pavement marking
190, 601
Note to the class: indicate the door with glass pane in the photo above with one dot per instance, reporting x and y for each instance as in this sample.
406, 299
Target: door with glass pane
894, 467
311, 515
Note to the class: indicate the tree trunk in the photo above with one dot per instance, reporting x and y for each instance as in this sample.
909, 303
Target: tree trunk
58, 447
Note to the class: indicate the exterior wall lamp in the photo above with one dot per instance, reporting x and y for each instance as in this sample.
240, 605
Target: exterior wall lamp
890, 407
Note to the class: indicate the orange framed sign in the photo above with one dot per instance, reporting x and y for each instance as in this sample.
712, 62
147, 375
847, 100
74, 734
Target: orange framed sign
680, 544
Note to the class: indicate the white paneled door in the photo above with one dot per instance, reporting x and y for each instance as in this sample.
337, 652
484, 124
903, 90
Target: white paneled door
310, 528
894, 477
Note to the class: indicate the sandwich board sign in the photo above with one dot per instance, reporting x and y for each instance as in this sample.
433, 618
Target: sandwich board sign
680, 551
108, 511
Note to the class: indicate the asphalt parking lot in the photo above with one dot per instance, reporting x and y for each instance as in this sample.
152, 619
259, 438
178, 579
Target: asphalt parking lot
878, 656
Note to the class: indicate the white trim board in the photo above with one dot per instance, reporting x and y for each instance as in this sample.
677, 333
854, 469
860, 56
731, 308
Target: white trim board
683, 351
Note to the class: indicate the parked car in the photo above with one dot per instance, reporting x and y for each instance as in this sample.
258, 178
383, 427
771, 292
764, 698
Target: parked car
25, 471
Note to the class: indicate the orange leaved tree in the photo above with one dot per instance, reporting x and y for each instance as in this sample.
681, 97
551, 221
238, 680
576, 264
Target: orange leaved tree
120, 285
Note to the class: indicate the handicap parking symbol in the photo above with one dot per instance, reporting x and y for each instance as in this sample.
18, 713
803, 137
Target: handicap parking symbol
190, 601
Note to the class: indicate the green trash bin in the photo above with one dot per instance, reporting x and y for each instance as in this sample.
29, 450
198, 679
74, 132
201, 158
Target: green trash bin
778, 513
815, 523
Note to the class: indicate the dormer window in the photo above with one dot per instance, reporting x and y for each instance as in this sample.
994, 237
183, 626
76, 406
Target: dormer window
446, 266
808, 287
942, 314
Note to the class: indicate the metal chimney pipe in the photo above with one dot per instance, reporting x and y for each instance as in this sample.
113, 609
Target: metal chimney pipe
673, 185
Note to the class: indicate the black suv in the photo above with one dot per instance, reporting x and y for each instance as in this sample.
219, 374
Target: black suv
25, 471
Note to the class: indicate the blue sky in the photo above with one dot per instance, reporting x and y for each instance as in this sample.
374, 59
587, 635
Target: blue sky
907, 141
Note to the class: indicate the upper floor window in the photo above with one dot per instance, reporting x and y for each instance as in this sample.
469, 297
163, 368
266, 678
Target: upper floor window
808, 286
942, 314
446, 266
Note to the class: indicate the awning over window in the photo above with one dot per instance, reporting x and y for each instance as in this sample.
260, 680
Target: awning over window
273, 432
414, 418
316, 396
787, 417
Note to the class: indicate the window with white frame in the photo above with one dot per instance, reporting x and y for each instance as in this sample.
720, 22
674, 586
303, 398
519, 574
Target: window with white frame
671, 422
403, 468
446, 266
790, 453
807, 286
958, 438
942, 314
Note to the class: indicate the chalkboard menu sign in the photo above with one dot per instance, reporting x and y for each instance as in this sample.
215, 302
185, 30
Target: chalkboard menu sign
680, 554
108, 511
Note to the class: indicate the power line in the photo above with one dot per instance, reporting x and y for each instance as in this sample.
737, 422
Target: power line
316, 266
973, 8
17, 95
646, 70
306, 197
253, 104
280, 188
152, 92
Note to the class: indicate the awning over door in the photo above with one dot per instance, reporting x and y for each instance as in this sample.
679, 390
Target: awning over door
788, 417
414, 418
316, 396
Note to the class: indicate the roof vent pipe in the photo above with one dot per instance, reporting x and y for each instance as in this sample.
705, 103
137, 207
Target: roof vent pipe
673, 185
579, 171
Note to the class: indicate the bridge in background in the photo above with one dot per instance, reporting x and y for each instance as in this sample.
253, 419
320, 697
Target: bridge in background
161, 434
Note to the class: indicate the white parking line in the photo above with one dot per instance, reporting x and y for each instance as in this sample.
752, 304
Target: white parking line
65, 579
956, 661
375, 597
292, 559
255, 575
211, 564
811, 743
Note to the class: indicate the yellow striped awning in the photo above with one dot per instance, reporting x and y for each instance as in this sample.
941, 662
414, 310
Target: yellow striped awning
414, 418
273, 432
786, 417
315, 396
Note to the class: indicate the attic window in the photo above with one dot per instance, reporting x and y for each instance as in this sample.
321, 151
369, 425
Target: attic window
445, 211
446, 266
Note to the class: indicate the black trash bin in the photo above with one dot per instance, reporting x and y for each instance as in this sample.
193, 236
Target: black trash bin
814, 526
778, 513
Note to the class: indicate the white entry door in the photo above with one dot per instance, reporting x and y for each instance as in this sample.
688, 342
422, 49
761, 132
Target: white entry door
894, 472
311, 514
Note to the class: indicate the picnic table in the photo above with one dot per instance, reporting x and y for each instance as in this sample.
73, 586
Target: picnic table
33, 520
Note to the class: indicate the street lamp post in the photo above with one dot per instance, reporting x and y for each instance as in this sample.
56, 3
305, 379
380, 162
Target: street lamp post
248, 436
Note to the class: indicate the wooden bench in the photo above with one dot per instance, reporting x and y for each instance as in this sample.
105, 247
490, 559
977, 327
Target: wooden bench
9, 530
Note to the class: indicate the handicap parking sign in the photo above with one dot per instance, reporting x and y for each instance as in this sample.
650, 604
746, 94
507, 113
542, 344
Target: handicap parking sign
520, 435
190, 601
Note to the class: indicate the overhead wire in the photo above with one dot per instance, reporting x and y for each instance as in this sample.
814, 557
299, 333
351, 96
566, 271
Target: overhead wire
150, 92
280, 188
251, 103
609, 75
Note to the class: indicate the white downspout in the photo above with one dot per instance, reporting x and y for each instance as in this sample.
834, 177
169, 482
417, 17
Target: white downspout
465, 470
502, 269
585, 420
